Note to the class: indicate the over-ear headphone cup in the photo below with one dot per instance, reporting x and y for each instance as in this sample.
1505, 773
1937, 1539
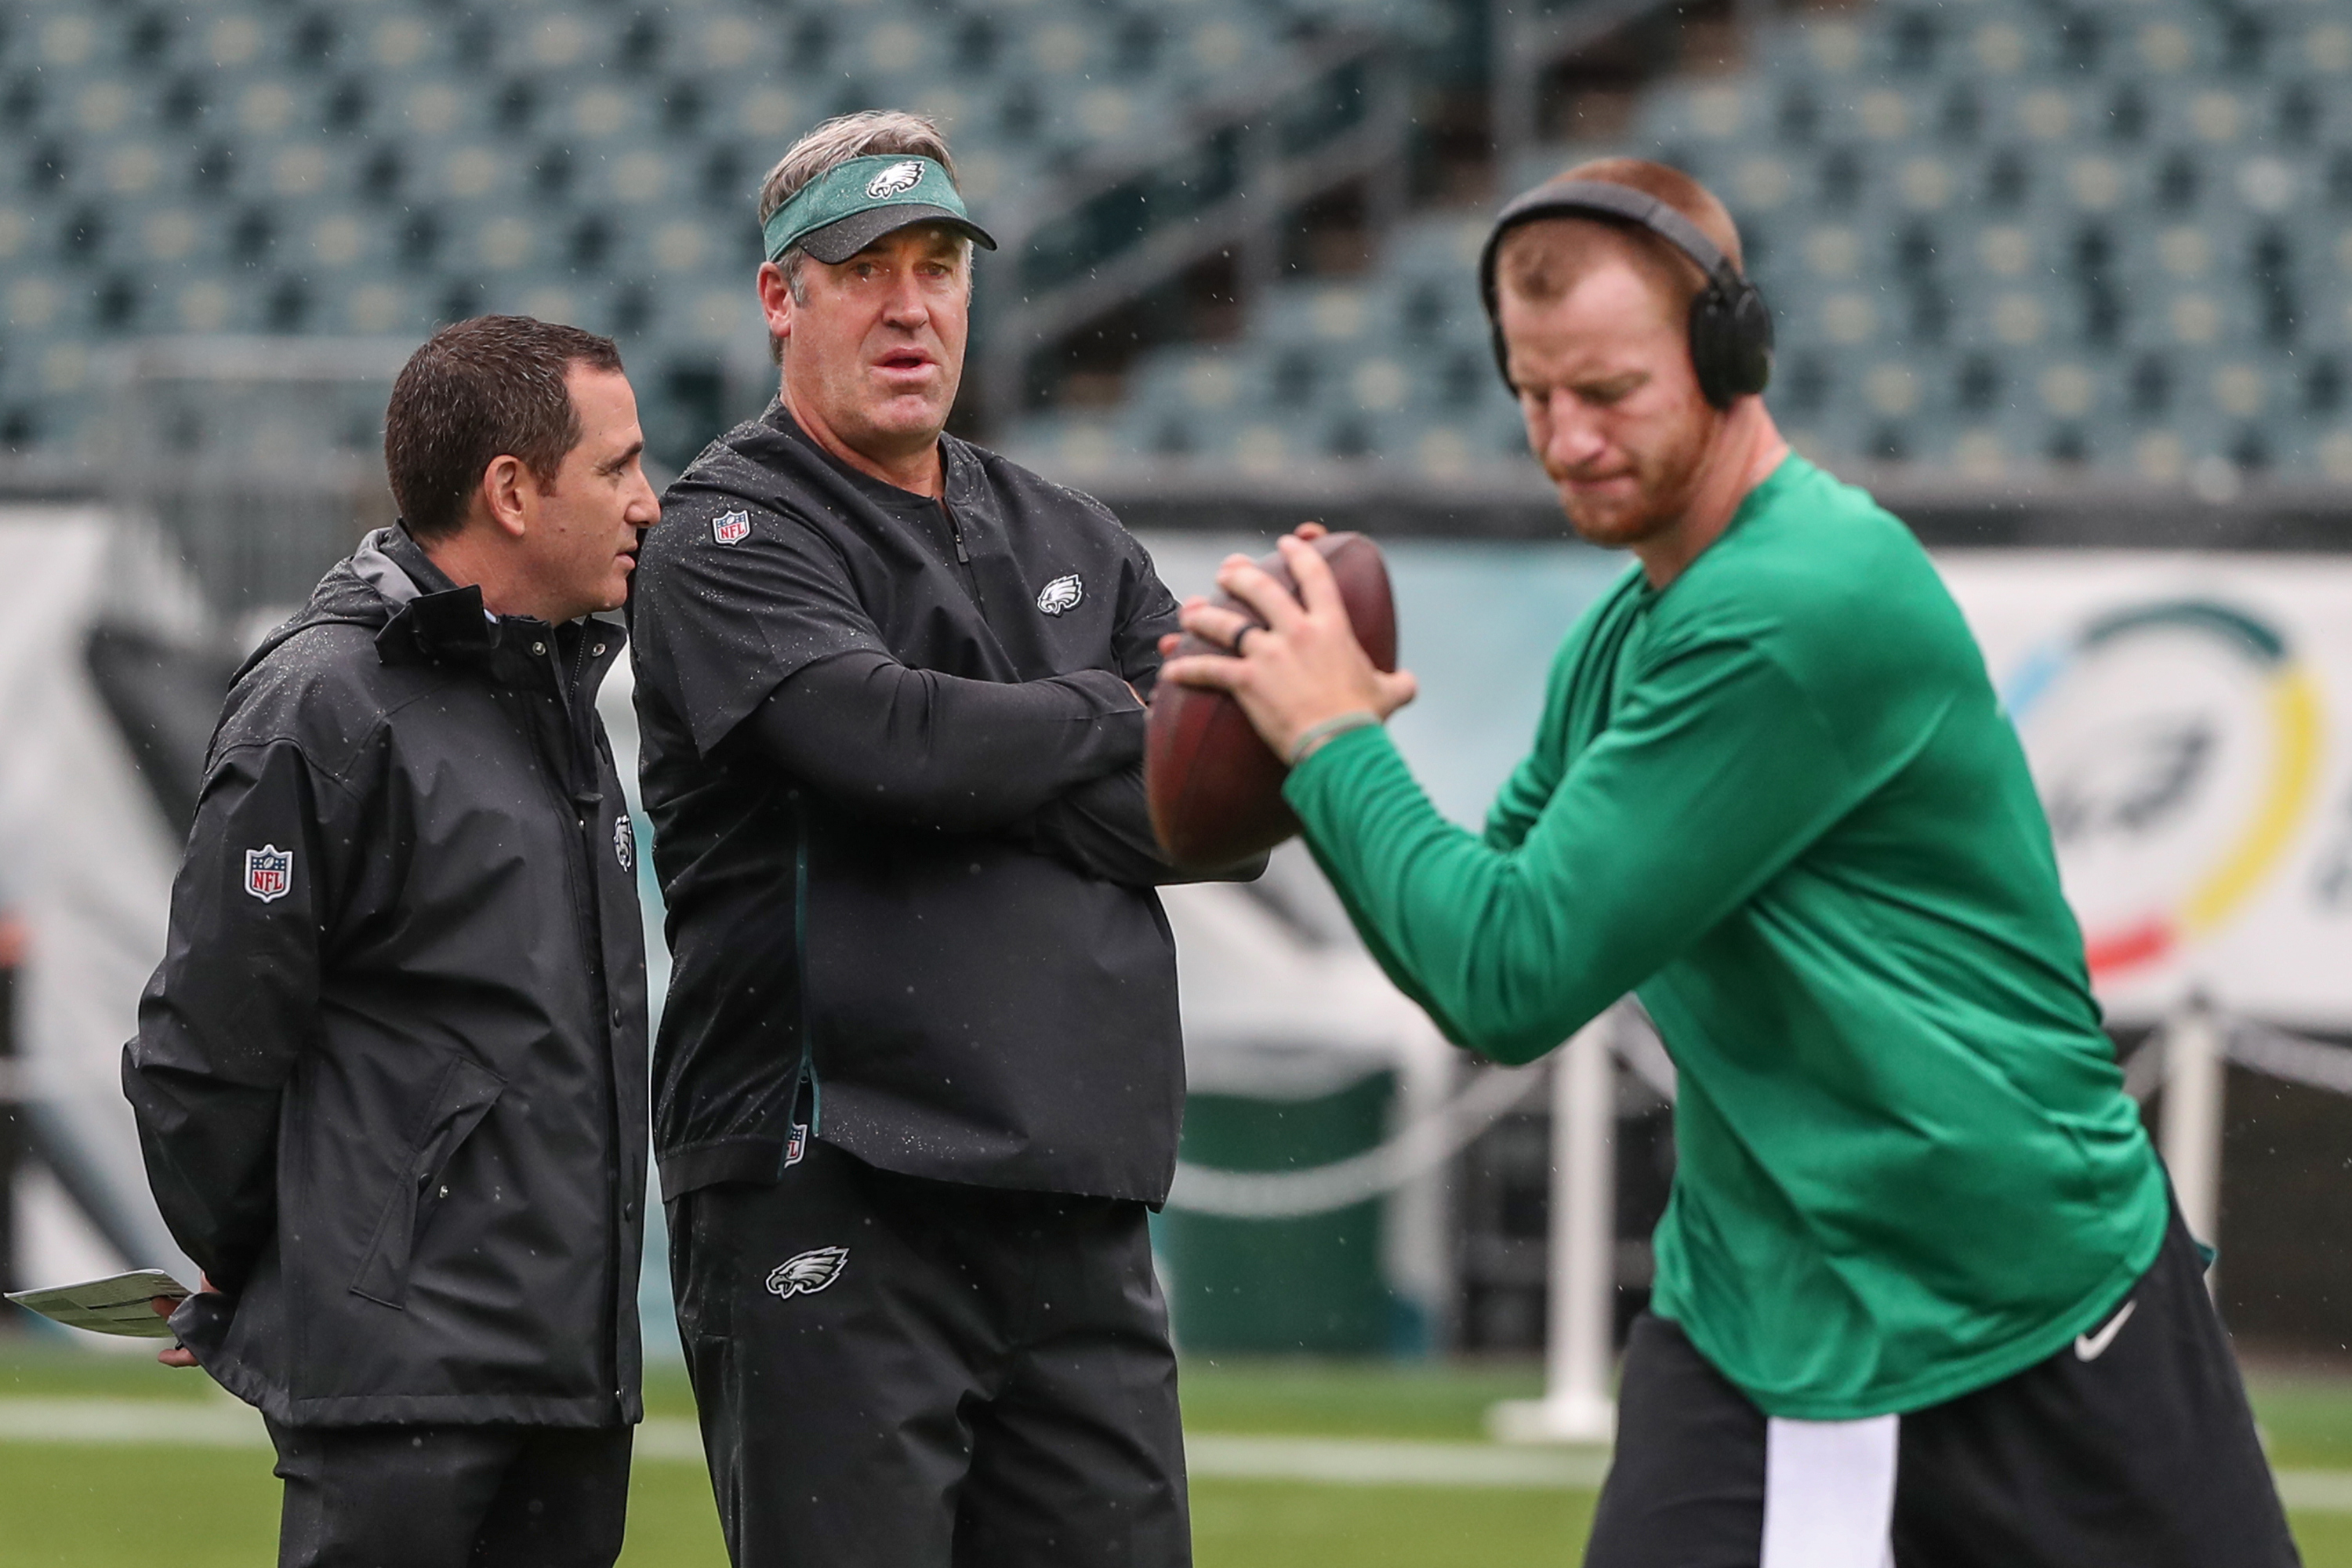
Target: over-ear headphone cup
1730, 343
1751, 331
1709, 328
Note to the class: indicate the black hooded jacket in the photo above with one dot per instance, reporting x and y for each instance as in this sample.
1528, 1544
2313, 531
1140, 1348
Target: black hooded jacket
892, 752
390, 1076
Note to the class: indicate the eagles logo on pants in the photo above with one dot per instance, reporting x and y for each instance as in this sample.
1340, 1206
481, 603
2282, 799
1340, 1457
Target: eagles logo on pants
988, 1381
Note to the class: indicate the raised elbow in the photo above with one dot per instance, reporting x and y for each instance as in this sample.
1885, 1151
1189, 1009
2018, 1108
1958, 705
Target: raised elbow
1516, 1029
1513, 1047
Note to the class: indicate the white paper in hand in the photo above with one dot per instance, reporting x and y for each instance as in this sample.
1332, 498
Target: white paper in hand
117, 1304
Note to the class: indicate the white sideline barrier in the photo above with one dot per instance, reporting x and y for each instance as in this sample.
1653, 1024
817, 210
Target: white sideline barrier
2185, 1058
1415, 1151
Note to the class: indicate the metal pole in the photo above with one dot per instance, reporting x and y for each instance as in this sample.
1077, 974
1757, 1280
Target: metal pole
1386, 189
2193, 1084
1514, 103
12, 1136
1576, 1407
1583, 1227
1002, 357
1257, 263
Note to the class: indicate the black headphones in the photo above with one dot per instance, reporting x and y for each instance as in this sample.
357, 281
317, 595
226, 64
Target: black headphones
1730, 325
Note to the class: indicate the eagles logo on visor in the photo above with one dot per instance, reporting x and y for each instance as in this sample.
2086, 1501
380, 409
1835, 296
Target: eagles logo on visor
897, 177
856, 203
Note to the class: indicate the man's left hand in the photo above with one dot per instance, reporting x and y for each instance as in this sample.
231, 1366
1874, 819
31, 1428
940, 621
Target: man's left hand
1303, 667
163, 1307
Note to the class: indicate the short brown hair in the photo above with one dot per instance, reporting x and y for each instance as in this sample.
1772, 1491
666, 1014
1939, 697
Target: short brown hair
868, 133
491, 387
1540, 261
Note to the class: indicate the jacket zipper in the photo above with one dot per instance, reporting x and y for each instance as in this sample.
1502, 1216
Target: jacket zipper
807, 1073
964, 557
579, 668
584, 757
584, 753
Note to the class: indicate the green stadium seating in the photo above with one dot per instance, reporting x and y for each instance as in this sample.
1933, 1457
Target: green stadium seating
377, 166
2115, 235
1998, 235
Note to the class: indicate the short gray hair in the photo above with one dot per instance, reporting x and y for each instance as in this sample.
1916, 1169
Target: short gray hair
835, 142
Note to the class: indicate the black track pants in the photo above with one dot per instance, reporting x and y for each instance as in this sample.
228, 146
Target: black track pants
451, 1497
907, 1373
2133, 1447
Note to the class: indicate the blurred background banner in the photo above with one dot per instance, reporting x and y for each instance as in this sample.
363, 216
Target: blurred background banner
2189, 724
109, 682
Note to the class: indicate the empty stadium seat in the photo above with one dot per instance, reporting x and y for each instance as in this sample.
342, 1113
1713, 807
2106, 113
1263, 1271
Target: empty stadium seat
1996, 237
1970, 219
375, 166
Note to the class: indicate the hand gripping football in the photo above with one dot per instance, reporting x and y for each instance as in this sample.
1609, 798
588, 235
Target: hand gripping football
1214, 788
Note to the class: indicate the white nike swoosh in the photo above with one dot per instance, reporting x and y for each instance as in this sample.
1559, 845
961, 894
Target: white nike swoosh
2091, 1347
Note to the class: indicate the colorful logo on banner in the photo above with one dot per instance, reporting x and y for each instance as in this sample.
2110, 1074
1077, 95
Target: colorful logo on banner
2176, 747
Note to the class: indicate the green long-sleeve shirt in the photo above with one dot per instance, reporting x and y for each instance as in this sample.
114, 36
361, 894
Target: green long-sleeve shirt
1778, 801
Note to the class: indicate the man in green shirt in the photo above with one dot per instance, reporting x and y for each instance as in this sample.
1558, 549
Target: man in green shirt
1915, 1217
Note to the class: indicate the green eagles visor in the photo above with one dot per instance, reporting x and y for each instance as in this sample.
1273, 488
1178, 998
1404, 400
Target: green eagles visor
852, 205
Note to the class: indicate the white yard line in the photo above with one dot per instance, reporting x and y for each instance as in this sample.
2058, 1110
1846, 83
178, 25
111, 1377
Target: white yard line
2315, 1491
222, 1423
1365, 1462
181, 1423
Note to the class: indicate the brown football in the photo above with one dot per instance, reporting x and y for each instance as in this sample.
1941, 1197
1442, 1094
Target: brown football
1215, 788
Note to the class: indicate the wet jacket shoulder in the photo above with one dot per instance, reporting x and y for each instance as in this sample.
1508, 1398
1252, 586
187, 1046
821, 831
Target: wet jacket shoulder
389, 1076
773, 557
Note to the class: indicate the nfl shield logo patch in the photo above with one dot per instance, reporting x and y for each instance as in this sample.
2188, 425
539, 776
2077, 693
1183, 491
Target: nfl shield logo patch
796, 1146
269, 872
734, 528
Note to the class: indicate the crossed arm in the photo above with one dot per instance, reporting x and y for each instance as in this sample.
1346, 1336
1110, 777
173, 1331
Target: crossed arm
1056, 763
919, 749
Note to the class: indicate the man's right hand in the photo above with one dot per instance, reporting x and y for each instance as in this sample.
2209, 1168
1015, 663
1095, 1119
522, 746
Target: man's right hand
179, 1354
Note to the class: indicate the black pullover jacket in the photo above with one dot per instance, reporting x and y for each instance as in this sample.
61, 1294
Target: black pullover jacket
892, 752
390, 1078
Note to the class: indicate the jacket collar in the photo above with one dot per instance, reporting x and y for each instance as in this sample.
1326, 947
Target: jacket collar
390, 561
431, 618
955, 480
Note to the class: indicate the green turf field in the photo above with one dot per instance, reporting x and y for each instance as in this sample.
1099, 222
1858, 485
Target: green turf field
79, 1505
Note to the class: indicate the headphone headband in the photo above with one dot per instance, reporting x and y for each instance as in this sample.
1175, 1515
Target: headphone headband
1603, 198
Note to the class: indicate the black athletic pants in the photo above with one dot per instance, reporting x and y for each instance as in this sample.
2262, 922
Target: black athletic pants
2133, 1447
907, 1373
451, 1497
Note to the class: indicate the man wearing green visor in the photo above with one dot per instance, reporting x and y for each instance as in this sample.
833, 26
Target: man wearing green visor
919, 1077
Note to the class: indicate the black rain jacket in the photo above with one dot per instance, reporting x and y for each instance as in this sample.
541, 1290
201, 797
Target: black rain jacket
390, 1076
892, 752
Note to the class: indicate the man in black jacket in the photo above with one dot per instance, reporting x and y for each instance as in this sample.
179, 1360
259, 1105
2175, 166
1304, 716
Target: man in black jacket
920, 1073
390, 1078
